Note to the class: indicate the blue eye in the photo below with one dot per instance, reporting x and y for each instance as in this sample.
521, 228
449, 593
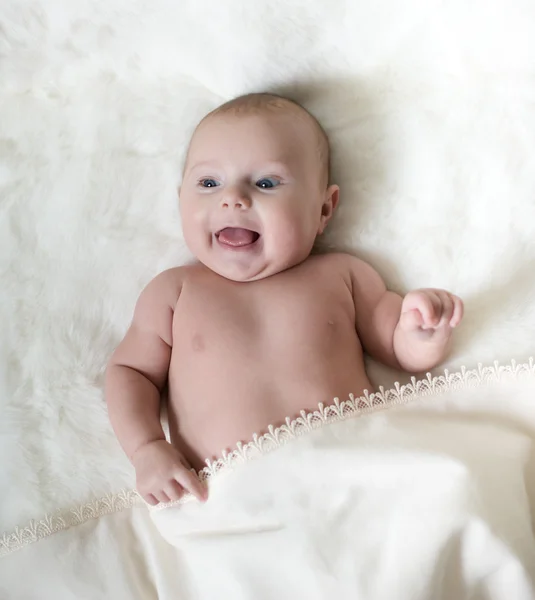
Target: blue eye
208, 183
267, 183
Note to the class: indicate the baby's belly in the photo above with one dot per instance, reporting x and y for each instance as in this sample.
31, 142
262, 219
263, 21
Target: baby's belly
216, 402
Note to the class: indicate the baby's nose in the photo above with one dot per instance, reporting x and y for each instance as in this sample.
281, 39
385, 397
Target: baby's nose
236, 199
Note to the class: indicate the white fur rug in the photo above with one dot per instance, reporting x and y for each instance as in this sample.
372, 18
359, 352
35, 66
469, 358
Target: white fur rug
430, 107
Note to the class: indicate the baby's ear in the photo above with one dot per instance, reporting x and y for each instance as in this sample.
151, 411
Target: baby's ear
332, 195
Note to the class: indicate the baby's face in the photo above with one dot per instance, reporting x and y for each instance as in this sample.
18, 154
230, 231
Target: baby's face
253, 198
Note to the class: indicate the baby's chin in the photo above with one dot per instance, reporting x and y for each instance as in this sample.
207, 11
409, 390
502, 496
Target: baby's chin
242, 272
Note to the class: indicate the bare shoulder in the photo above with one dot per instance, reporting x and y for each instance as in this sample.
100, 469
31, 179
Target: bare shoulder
349, 264
156, 304
165, 288
364, 281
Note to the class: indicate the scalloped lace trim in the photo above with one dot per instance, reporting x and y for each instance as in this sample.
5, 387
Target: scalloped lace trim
36, 530
275, 437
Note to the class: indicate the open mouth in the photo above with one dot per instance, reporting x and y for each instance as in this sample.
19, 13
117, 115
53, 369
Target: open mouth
237, 237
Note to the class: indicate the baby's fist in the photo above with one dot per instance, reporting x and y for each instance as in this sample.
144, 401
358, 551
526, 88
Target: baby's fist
431, 311
163, 475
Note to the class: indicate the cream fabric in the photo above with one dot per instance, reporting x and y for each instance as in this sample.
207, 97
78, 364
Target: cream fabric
431, 496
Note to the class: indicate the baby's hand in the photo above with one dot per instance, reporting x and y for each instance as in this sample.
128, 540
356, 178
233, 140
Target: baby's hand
431, 313
163, 474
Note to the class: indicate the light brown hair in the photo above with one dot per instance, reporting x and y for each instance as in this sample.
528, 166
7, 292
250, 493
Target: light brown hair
264, 101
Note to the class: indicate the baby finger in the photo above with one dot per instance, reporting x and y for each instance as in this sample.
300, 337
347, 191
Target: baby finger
446, 307
458, 311
191, 483
161, 496
433, 309
150, 499
174, 490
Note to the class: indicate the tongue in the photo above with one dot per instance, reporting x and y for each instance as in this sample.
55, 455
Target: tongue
236, 236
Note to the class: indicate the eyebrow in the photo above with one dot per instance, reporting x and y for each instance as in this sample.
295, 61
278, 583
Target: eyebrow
270, 166
204, 164
278, 166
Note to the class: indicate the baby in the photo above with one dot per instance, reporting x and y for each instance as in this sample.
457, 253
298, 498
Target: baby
258, 329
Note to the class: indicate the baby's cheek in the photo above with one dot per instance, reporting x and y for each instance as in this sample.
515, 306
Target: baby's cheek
193, 232
192, 217
293, 239
193, 221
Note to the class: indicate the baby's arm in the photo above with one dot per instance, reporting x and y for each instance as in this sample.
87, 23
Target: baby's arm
412, 333
135, 377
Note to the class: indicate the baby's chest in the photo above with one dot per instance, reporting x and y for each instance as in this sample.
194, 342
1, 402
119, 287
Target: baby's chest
244, 316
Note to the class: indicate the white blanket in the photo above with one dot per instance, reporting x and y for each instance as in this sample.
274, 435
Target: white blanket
409, 495
429, 107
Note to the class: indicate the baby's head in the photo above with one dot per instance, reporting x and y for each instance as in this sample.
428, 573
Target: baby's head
255, 191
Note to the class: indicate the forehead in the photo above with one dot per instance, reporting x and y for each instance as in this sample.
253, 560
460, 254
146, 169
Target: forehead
283, 137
